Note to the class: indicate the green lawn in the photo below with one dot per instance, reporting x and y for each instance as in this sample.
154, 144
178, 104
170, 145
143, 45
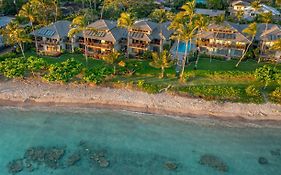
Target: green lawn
213, 74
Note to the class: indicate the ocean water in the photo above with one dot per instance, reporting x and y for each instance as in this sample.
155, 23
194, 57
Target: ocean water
135, 143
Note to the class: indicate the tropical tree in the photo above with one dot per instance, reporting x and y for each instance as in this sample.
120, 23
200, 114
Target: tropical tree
239, 15
162, 61
251, 31
187, 33
112, 59
201, 22
276, 45
266, 18
176, 25
15, 34
161, 16
126, 20
80, 24
28, 11
256, 5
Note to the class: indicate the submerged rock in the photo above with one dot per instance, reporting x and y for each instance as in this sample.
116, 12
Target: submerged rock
262, 161
15, 166
103, 163
35, 154
171, 165
73, 159
52, 157
276, 152
213, 162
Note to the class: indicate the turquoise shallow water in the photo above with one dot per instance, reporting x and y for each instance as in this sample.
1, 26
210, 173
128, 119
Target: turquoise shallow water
137, 144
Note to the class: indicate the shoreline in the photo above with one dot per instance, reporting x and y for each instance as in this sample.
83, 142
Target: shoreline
30, 92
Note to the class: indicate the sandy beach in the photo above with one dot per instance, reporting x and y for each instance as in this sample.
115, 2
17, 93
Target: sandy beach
32, 92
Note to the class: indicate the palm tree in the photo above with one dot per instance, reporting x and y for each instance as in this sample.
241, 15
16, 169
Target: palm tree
28, 12
256, 5
188, 32
15, 34
188, 9
80, 24
112, 59
176, 25
161, 16
240, 15
251, 31
201, 23
162, 60
126, 20
265, 18
277, 45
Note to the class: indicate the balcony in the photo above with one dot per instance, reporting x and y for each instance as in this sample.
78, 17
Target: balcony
139, 45
216, 45
48, 42
100, 45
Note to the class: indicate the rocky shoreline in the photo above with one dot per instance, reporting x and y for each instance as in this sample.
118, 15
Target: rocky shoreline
32, 92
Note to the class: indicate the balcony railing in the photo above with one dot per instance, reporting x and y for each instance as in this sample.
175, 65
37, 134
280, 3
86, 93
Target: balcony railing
216, 45
138, 45
48, 42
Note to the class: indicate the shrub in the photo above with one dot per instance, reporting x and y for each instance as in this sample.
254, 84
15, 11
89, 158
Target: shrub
252, 91
13, 68
276, 95
214, 92
8, 55
96, 76
64, 71
35, 64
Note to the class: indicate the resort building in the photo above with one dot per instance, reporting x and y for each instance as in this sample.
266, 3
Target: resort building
224, 40
209, 12
266, 36
103, 39
52, 39
249, 13
4, 21
146, 35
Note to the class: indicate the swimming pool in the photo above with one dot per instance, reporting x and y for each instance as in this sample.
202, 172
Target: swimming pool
182, 47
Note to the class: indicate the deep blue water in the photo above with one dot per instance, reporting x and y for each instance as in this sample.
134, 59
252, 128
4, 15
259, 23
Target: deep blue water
137, 144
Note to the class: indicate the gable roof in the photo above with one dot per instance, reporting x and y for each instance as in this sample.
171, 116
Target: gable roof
209, 12
145, 25
103, 24
106, 30
55, 30
229, 32
5, 20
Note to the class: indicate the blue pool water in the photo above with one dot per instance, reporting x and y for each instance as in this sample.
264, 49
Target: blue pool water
201, 1
182, 47
136, 144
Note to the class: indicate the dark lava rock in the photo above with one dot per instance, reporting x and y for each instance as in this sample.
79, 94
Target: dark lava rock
15, 166
52, 157
171, 165
276, 152
213, 162
73, 159
262, 161
35, 154
103, 163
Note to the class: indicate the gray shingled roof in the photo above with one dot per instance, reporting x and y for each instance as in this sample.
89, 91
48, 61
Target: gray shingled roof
103, 24
4, 20
55, 30
106, 30
236, 36
145, 25
209, 12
